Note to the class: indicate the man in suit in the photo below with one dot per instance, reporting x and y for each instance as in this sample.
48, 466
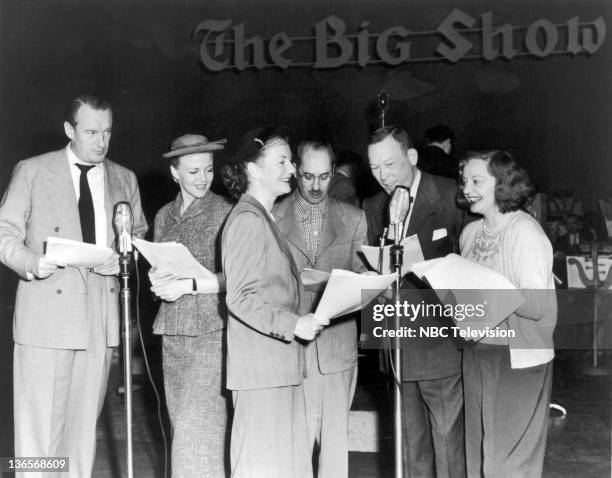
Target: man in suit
66, 319
431, 372
324, 233
435, 156
342, 183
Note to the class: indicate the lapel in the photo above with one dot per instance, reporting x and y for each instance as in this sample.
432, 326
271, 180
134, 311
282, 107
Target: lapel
60, 187
282, 244
423, 207
333, 224
112, 189
174, 214
197, 207
287, 224
177, 221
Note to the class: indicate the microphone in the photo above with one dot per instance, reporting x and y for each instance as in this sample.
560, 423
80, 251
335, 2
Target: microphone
123, 227
399, 206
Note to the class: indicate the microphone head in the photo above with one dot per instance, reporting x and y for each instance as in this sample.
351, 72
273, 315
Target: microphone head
399, 205
123, 218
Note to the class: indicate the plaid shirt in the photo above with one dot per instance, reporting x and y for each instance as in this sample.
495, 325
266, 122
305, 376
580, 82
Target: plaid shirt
310, 219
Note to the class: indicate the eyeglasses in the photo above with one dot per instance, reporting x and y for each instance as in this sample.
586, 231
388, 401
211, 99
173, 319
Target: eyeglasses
311, 177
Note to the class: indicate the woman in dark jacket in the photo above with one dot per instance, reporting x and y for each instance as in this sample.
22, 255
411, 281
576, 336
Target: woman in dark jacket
192, 318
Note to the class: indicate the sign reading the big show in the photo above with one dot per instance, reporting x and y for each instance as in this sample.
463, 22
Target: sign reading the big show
224, 45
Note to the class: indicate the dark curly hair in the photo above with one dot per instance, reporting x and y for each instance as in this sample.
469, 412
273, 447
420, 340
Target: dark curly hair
513, 188
234, 173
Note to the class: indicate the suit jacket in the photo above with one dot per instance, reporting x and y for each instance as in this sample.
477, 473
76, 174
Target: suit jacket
562, 244
434, 209
199, 230
40, 202
263, 292
342, 188
344, 232
434, 160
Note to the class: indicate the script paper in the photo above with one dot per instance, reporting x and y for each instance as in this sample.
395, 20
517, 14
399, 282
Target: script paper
173, 256
69, 253
342, 294
314, 279
380, 259
470, 283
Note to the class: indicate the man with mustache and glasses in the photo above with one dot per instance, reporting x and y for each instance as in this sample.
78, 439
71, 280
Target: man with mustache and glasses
324, 233
432, 392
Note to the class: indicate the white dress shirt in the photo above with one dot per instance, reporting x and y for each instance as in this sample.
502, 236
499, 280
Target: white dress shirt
414, 187
95, 178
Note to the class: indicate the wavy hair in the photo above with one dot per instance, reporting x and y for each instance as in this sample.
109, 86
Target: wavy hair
234, 173
513, 188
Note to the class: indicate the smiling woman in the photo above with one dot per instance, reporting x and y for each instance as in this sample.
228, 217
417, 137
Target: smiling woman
192, 318
507, 379
265, 361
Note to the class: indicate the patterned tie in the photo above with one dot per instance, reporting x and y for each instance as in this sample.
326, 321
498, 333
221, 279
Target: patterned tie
86, 208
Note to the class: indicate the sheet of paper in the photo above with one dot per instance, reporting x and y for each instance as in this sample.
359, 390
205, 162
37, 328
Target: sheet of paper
69, 253
172, 256
460, 281
313, 277
342, 294
380, 260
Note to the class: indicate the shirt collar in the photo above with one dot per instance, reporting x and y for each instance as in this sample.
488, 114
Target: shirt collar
74, 159
304, 210
414, 187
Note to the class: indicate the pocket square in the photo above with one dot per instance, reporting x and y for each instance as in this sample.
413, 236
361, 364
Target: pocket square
439, 234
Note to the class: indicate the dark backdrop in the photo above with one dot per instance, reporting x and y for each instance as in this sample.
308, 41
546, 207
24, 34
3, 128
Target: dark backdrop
554, 113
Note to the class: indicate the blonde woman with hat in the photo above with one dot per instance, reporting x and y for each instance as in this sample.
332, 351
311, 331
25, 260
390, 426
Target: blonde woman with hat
191, 318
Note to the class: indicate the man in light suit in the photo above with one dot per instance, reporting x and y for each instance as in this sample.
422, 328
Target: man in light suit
66, 319
324, 233
431, 373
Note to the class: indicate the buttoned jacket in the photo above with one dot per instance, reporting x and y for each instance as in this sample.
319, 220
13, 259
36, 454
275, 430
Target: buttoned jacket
199, 230
263, 299
40, 202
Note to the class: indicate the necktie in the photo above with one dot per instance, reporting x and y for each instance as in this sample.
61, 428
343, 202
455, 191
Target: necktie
86, 208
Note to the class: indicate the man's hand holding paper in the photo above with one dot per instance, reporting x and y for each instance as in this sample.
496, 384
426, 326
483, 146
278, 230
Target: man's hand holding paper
69, 253
309, 325
110, 267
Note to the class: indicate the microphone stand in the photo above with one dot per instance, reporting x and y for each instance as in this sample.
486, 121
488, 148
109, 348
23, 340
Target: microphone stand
124, 276
397, 258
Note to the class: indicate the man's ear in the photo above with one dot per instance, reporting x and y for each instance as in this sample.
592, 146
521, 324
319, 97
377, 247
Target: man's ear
69, 130
413, 156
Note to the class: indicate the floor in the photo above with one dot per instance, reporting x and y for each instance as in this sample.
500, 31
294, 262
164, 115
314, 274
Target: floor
578, 445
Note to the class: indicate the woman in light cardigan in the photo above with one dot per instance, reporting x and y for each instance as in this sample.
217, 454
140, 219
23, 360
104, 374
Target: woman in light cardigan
507, 382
